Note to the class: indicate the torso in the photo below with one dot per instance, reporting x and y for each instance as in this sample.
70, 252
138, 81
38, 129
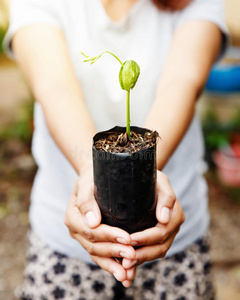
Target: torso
133, 32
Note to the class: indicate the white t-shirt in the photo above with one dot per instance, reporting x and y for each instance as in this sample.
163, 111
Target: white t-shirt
144, 35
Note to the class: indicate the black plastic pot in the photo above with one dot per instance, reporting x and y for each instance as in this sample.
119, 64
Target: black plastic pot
124, 185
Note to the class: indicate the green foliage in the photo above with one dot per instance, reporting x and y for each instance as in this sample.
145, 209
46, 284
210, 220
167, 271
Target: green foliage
129, 74
234, 193
210, 117
22, 128
216, 138
2, 34
216, 133
92, 59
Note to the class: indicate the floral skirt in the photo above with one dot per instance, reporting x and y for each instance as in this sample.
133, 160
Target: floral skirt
50, 275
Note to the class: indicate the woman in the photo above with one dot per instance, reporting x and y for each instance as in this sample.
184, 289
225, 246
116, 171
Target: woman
175, 43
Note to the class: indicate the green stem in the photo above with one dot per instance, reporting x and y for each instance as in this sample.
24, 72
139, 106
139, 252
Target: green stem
128, 114
113, 55
94, 58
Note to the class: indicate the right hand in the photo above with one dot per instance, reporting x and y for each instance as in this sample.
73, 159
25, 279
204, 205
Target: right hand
103, 242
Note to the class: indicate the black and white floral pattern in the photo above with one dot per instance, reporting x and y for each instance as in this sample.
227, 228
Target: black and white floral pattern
50, 275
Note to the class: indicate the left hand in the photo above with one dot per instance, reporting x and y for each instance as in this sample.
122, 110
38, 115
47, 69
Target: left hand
103, 242
155, 242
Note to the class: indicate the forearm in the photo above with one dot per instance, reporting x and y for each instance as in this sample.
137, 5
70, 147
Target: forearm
194, 49
56, 88
170, 116
69, 123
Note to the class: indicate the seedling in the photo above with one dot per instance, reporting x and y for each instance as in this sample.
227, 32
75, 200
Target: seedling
128, 76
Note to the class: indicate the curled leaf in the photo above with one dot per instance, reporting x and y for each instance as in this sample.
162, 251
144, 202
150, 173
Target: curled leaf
129, 74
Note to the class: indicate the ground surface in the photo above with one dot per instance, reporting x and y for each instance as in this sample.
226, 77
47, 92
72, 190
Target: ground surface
16, 174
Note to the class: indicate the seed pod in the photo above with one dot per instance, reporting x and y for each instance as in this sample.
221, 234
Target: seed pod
129, 74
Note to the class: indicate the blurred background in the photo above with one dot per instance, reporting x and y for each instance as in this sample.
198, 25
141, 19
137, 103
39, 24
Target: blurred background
219, 109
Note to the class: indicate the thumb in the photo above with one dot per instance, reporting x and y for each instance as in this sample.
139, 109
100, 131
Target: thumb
92, 218
166, 198
87, 204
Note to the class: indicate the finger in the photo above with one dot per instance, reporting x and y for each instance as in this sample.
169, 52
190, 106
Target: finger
102, 233
166, 198
72, 217
148, 253
161, 232
106, 249
78, 209
129, 263
86, 202
127, 283
111, 266
155, 235
112, 234
131, 273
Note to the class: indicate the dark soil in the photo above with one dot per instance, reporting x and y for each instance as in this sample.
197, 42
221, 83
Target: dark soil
119, 143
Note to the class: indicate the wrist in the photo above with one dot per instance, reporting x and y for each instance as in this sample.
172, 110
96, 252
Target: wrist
84, 167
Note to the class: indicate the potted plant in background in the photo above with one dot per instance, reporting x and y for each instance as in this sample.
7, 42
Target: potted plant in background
124, 165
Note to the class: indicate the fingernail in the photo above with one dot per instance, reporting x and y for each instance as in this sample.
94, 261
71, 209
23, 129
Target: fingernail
165, 215
125, 255
121, 241
134, 243
91, 219
133, 263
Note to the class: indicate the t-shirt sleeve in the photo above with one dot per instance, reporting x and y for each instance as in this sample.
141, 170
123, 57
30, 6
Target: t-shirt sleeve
25, 12
208, 10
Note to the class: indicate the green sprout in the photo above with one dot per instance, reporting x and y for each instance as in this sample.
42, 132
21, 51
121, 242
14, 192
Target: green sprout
128, 76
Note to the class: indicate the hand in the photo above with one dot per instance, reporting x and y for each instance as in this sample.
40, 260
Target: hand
156, 241
102, 242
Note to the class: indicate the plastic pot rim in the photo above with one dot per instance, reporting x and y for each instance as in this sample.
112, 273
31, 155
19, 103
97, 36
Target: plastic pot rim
122, 129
